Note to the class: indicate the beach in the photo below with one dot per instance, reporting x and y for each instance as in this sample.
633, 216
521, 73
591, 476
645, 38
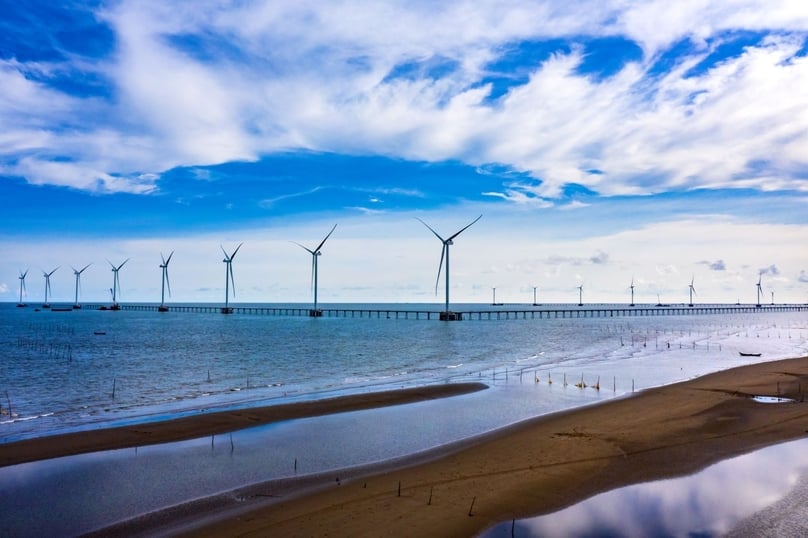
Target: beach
534, 467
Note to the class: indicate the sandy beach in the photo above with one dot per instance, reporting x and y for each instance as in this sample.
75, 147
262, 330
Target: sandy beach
535, 467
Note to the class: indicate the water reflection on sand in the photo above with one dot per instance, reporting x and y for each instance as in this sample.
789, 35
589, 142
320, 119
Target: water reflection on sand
750, 495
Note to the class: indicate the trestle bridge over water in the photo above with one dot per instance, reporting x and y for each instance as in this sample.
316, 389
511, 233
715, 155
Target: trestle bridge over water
491, 313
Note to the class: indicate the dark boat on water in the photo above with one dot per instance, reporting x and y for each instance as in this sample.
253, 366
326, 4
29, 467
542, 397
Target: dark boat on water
749, 354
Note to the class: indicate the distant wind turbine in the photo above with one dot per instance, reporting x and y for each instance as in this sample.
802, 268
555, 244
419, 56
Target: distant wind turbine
314, 312
164, 267
632, 291
581, 294
692, 290
22, 287
759, 289
47, 286
772, 296
116, 283
228, 278
78, 273
534, 296
447, 315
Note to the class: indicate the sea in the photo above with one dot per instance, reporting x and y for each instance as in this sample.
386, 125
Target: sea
67, 370
64, 370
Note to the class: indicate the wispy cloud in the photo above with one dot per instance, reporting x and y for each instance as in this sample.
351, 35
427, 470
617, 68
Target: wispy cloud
218, 83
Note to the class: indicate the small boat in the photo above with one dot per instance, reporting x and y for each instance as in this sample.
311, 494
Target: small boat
99, 333
749, 354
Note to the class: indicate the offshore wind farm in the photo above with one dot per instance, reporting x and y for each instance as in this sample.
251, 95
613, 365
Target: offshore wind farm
605, 142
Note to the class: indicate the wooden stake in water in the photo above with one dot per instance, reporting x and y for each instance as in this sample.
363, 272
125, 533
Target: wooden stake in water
472, 505
429, 502
113, 388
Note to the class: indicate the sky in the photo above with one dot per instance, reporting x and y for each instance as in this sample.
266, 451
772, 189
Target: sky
603, 142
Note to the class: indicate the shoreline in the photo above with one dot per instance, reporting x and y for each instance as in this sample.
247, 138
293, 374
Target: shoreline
531, 468
215, 423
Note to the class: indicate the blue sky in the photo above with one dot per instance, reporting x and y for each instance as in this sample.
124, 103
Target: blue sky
601, 141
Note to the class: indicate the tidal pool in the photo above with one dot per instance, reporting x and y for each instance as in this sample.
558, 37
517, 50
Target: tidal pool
764, 493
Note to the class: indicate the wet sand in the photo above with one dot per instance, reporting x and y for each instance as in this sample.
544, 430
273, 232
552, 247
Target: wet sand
541, 465
208, 423
535, 467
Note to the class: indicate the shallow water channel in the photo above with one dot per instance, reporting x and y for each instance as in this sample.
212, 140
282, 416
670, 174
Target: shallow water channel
763, 493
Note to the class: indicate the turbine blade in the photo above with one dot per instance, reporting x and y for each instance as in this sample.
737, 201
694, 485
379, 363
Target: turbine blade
169, 257
235, 251
168, 282
304, 248
226, 257
326, 239
111, 264
25, 273
85, 267
440, 265
464, 228
430, 229
124, 263
232, 279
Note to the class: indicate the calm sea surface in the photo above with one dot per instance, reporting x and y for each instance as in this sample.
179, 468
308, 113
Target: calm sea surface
62, 371
89, 368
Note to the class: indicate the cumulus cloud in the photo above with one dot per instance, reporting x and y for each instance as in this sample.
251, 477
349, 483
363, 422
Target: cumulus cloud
770, 270
717, 265
209, 83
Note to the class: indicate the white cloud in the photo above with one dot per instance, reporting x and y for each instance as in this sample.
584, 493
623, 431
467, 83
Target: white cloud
306, 75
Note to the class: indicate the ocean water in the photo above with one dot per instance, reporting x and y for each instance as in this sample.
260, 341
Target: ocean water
63, 371
59, 375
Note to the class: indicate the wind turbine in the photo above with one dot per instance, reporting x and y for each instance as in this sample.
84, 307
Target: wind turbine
228, 279
164, 267
759, 289
534, 296
47, 286
632, 291
447, 315
581, 294
116, 284
692, 290
76, 304
22, 288
315, 312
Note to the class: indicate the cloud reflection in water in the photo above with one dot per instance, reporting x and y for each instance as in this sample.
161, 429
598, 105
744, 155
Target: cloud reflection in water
709, 503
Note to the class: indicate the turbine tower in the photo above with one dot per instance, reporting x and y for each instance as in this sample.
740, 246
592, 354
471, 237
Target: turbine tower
228, 279
315, 312
164, 267
534, 296
632, 291
47, 286
759, 289
447, 315
581, 294
692, 290
116, 284
78, 273
22, 288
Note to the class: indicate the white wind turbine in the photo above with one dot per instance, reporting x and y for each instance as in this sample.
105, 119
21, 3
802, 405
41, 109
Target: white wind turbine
228, 278
22, 288
581, 294
314, 312
116, 283
692, 290
632, 291
164, 267
759, 289
78, 273
447, 315
47, 286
